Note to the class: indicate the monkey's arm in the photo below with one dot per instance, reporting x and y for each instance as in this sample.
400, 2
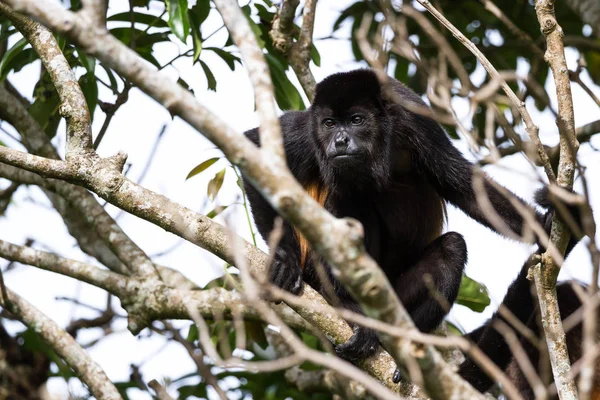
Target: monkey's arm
286, 271
452, 176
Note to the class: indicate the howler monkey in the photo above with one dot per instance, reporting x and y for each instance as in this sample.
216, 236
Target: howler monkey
363, 155
520, 301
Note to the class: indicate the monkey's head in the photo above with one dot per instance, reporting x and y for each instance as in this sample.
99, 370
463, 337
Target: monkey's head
351, 129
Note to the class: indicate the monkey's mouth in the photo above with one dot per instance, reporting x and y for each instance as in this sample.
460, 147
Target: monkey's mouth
345, 159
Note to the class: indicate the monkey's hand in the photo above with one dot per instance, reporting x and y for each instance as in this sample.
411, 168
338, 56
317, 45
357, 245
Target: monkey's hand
285, 272
362, 344
570, 213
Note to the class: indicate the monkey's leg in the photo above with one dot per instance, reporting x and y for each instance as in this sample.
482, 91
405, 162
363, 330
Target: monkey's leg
429, 288
443, 261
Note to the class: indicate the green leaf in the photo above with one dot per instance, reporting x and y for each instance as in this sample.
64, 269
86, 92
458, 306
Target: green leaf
196, 40
178, 18
6, 33
286, 94
263, 13
453, 329
212, 82
473, 294
185, 85
199, 12
146, 19
142, 39
592, 59
193, 391
140, 3
44, 108
217, 210
146, 54
111, 77
229, 58
314, 55
214, 185
401, 70
89, 62
256, 331
89, 87
201, 167
193, 334
22, 59
10, 55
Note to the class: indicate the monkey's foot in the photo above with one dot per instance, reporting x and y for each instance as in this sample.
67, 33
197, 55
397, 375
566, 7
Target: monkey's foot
285, 272
362, 344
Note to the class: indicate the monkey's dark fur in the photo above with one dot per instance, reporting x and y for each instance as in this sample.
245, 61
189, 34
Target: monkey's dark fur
362, 155
520, 301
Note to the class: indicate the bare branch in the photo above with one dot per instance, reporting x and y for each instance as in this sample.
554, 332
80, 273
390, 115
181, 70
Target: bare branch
546, 273
65, 346
244, 38
73, 104
298, 53
531, 128
95, 10
110, 281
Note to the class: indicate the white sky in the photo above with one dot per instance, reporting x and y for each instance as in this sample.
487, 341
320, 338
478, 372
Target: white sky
493, 261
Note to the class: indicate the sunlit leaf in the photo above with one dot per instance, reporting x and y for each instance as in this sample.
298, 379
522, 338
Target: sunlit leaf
201, 167
218, 210
473, 294
214, 185
178, 18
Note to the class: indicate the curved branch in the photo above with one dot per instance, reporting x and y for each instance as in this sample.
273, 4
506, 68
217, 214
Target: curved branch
73, 104
64, 345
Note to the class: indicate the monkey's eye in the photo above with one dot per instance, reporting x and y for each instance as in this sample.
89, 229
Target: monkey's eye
329, 122
357, 120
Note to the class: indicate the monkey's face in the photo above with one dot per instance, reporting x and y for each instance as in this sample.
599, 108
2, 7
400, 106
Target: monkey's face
350, 141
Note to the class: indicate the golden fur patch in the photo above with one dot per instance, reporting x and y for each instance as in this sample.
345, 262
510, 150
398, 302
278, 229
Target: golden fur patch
319, 193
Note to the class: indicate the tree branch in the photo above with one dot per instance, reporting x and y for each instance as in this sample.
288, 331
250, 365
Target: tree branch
73, 104
65, 346
546, 273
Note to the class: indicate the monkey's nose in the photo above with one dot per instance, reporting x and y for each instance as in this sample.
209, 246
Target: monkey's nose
341, 141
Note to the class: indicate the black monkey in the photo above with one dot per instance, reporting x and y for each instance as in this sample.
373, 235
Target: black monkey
520, 301
362, 155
